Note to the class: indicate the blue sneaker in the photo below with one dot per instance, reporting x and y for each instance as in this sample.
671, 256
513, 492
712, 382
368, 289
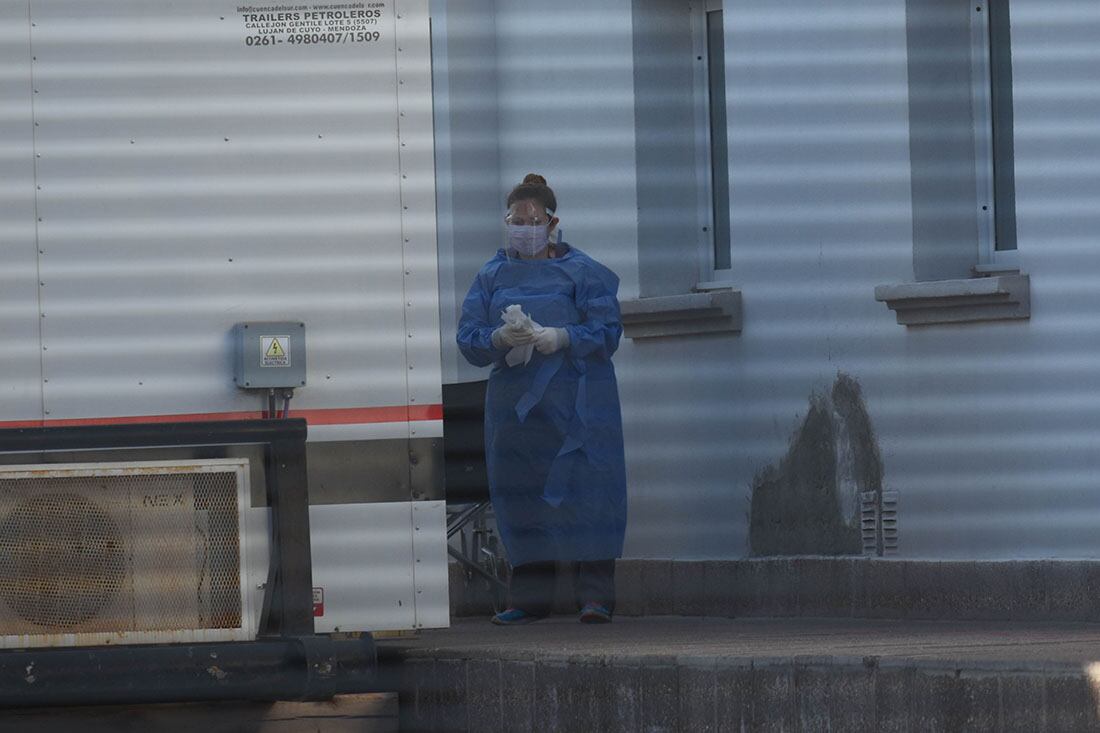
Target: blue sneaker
594, 613
514, 617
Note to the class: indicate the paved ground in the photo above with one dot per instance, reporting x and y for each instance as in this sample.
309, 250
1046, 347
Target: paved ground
1052, 646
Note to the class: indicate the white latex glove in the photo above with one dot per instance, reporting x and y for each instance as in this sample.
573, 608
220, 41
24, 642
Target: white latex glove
549, 340
510, 337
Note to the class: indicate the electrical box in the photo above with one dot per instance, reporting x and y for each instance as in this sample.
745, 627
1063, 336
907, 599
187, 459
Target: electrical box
270, 355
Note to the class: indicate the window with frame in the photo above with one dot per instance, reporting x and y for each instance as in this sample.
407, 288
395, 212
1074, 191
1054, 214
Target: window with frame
991, 71
682, 178
712, 164
965, 259
960, 125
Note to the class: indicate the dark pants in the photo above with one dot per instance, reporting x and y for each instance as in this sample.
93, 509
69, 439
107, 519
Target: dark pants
533, 585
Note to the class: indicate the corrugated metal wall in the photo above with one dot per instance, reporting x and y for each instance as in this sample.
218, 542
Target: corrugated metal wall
187, 180
20, 356
988, 431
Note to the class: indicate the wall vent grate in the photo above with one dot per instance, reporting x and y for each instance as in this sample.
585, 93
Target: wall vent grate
888, 521
878, 517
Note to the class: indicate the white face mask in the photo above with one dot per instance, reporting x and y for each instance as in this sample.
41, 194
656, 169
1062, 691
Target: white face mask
528, 240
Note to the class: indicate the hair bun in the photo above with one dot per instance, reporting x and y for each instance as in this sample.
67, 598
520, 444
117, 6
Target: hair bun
533, 188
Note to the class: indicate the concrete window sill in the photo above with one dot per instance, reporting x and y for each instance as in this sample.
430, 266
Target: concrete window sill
714, 311
1003, 297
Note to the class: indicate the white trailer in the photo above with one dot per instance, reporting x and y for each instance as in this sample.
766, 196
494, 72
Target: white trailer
168, 170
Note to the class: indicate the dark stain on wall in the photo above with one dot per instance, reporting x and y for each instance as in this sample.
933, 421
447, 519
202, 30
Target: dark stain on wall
808, 503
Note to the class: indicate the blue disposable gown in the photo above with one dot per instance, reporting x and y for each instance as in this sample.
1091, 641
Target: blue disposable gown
553, 428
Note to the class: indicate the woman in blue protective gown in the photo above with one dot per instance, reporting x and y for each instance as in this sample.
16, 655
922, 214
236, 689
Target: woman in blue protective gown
553, 429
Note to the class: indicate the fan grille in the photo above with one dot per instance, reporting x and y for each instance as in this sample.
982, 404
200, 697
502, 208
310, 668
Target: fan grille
61, 560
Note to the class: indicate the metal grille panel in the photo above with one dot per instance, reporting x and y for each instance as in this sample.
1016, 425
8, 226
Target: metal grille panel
112, 549
879, 523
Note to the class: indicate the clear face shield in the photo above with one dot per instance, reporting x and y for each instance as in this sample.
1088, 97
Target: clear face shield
527, 227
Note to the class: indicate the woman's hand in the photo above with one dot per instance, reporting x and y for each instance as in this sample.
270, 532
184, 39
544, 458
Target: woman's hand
510, 337
549, 340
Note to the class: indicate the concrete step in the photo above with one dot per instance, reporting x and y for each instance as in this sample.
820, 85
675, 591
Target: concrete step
711, 674
1021, 590
841, 587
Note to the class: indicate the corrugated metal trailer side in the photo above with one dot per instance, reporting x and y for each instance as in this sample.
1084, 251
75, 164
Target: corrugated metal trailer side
171, 169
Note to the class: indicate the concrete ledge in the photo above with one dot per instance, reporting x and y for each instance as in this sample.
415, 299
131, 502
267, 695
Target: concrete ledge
714, 311
722, 694
958, 301
711, 674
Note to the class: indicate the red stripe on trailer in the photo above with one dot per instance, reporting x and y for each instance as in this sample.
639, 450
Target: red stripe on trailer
332, 416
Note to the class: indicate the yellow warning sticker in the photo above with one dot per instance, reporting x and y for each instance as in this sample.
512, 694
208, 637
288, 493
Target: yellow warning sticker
275, 351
